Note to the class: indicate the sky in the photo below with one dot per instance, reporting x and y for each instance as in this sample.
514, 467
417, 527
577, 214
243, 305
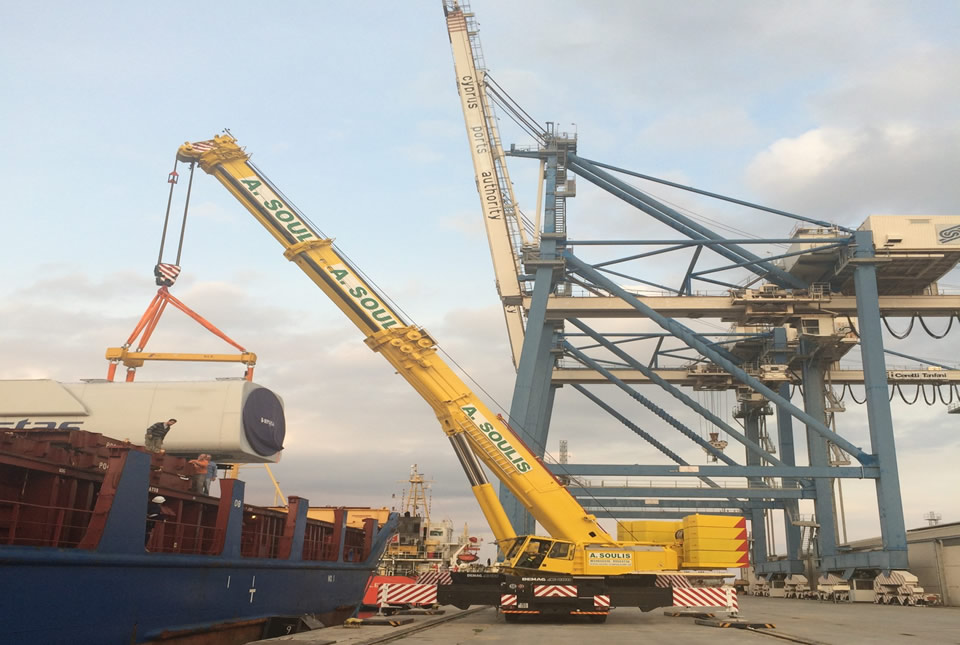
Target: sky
832, 110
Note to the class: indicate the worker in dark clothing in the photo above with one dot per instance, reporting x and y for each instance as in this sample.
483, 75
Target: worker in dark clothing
154, 515
155, 434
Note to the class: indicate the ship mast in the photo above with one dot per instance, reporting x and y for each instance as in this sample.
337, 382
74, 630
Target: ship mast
415, 498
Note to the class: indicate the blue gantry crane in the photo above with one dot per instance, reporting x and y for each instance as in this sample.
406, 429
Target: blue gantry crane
792, 318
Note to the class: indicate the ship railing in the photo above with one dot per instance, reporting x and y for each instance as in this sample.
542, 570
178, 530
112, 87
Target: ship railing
26, 524
185, 538
318, 543
261, 534
353, 546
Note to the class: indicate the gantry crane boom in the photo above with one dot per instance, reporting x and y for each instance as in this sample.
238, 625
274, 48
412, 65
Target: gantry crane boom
505, 232
472, 428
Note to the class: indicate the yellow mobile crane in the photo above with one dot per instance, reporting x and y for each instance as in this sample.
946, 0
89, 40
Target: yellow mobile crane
579, 557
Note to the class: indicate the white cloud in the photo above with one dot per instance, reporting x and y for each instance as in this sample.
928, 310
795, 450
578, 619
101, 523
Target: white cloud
798, 162
846, 174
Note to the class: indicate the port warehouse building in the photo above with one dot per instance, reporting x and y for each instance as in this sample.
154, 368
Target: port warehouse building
934, 554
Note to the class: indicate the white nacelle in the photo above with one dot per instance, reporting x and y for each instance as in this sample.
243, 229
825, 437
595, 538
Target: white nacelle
233, 420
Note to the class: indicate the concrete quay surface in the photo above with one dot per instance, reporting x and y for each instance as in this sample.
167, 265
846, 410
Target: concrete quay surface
808, 622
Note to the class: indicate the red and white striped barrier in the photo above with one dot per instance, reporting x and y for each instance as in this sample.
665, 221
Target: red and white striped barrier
435, 578
555, 591
668, 580
402, 594
725, 597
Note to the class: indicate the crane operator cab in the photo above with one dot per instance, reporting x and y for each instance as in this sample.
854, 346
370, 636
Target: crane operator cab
536, 552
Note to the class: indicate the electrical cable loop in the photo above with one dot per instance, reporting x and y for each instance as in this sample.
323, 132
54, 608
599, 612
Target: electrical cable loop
916, 394
937, 336
886, 323
950, 389
853, 397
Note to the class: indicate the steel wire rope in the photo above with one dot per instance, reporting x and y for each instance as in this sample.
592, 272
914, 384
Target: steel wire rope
528, 223
512, 115
886, 324
726, 198
933, 335
703, 218
514, 111
513, 106
172, 179
703, 435
532, 129
715, 223
728, 408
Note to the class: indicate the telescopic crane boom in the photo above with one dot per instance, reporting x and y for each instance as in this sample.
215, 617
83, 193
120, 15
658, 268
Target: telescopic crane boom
472, 428
580, 569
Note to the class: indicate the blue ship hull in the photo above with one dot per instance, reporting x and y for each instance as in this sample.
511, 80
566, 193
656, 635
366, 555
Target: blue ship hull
109, 589
74, 597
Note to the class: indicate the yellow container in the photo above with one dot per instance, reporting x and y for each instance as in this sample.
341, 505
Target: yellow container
714, 545
714, 533
715, 559
717, 521
659, 531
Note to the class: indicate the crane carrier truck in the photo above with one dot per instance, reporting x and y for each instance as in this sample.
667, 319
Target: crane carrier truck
579, 568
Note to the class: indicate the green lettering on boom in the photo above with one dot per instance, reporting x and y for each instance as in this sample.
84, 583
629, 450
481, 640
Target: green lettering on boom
360, 295
276, 209
496, 438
